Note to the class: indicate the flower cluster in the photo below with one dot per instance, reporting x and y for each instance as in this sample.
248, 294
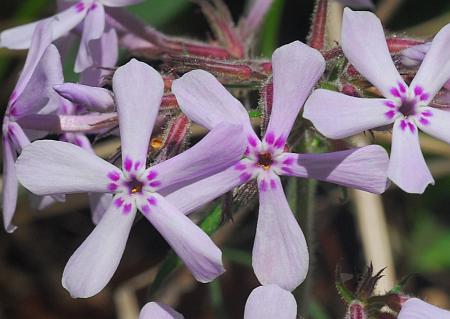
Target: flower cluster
167, 189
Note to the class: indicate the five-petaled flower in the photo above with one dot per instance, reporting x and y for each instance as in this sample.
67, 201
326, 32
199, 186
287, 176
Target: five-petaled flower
338, 116
90, 12
52, 167
280, 254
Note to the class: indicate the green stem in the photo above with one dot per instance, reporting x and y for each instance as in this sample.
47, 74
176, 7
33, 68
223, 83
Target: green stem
306, 215
215, 291
271, 29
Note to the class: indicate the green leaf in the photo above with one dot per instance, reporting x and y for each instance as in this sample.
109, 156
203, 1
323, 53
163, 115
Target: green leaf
337, 69
316, 311
159, 12
399, 287
345, 294
212, 222
328, 86
271, 28
255, 113
215, 291
29, 10
429, 245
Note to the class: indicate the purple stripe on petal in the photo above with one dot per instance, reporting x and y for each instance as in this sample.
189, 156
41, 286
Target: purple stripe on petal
145, 209
78, 142
263, 186
155, 184
93, 6
252, 141
273, 184
114, 176
112, 187
118, 202
403, 125
152, 201
127, 208
240, 166
390, 114
424, 121
395, 92
79, 6
270, 138
151, 175
289, 161
128, 164
247, 151
426, 113
244, 177
286, 169
418, 90
390, 104
137, 165
411, 126
402, 87
280, 142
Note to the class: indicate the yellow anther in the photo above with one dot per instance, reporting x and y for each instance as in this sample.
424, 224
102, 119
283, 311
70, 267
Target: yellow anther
156, 143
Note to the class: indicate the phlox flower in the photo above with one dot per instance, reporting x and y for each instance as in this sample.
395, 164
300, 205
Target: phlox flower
90, 12
54, 167
337, 115
415, 308
280, 255
33, 94
154, 310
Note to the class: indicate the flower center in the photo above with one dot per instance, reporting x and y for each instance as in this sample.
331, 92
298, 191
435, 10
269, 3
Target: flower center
134, 185
265, 160
408, 107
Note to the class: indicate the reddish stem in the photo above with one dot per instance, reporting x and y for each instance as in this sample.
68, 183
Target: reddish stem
316, 37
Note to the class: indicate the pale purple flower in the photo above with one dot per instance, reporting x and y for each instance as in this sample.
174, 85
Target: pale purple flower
33, 94
269, 302
417, 309
337, 115
155, 310
280, 255
90, 12
52, 167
